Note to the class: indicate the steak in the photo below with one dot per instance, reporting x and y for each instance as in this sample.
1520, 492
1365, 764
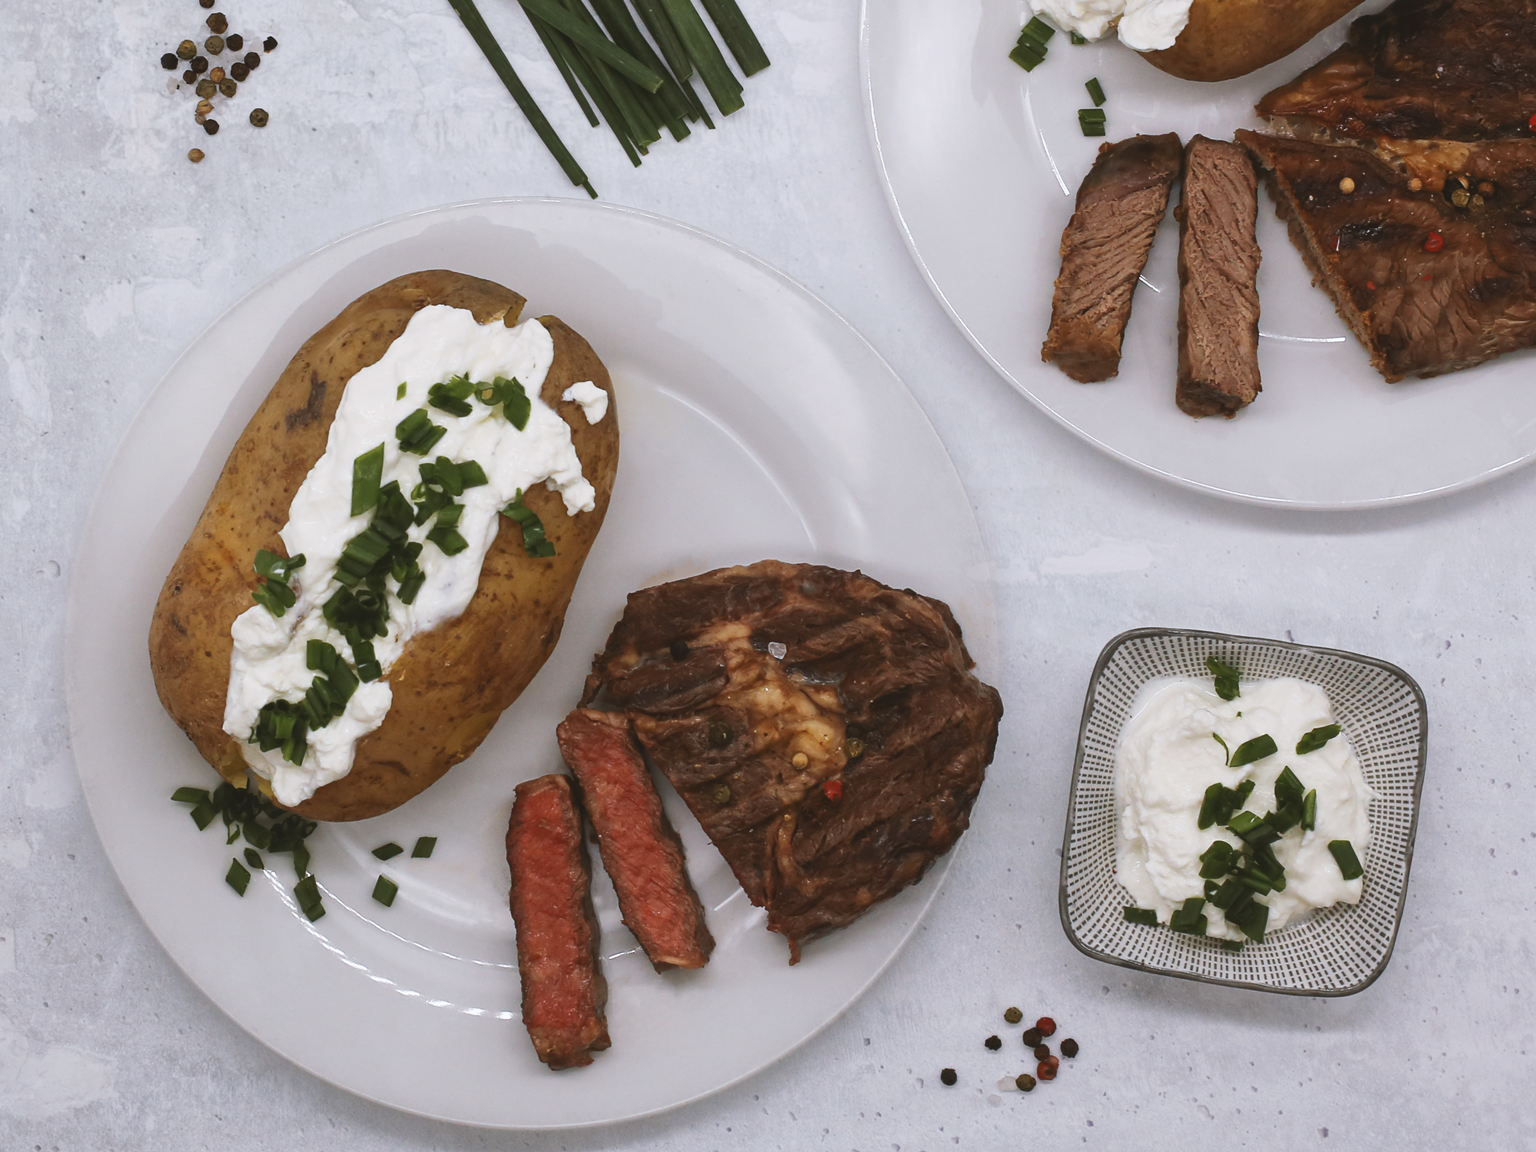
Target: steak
1218, 268
563, 987
641, 853
1103, 250
824, 728
1426, 285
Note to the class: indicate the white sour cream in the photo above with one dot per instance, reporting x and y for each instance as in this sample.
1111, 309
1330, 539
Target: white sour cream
593, 400
1145, 25
269, 652
1166, 760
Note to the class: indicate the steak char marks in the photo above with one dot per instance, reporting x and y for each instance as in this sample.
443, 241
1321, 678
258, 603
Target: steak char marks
825, 729
1103, 250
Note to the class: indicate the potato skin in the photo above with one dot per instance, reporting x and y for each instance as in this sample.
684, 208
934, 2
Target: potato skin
1229, 38
449, 684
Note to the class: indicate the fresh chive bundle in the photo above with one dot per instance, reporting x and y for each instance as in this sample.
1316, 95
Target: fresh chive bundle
1030, 48
638, 86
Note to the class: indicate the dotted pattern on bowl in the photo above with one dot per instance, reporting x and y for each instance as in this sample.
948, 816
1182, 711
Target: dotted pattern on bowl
1334, 952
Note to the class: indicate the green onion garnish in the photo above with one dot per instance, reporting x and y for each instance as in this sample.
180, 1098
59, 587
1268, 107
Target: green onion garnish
253, 858
203, 815
1316, 738
367, 471
1140, 915
388, 851
1227, 894
1250, 919
1254, 829
417, 434
190, 795
448, 539
452, 397
1027, 55
1232, 945
1189, 918
1349, 864
1309, 811
384, 891
1216, 861
1038, 30
1225, 674
534, 542
237, 877
1096, 94
512, 397
301, 860
1288, 789
423, 847
1077, 37
400, 391
307, 893
1250, 751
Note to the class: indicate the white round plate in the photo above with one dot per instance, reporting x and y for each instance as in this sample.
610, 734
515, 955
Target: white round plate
982, 161
756, 423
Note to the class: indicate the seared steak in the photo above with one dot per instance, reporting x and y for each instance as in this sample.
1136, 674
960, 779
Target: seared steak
1218, 266
824, 728
641, 853
1426, 285
1103, 250
563, 987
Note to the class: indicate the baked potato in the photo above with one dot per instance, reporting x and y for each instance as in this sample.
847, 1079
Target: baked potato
1228, 38
449, 684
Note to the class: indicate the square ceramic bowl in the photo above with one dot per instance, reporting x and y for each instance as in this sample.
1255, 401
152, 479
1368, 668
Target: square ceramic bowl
1334, 952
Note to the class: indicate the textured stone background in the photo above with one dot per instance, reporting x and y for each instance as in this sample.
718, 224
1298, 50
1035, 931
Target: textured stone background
115, 252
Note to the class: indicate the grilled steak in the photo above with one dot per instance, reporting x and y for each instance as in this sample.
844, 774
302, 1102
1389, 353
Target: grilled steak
824, 728
1428, 287
1218, 266
1103, 250
563, 987
641, 853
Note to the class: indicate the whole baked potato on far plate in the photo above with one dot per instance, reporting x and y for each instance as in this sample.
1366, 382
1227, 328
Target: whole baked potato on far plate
1229, 38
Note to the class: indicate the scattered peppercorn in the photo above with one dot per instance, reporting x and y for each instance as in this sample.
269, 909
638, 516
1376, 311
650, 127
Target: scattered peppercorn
833, 791
200, 117
1460, 198
1046, 1025
199, 64
238, 70
1046, 1070
853, 747
1434, 242
1370, 285
186, 50
234, 41
252, 60
196, 155
947, 1077
1346, 185
1026, 1083
1042, 1051
1032, 1036
1415, 185
218, 22
1013, 1016
211, 127
168, 61
720, 734
1486, 187
206, 88
269, 43
679, 650
214, 45
205, 3
993, 1043
189, 76
1069, 1048
1531, 123
216, 75
799, 759
228, 87
721, 793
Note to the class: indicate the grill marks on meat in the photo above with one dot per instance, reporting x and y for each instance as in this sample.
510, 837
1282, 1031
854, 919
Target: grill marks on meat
1416, 311
1424, 69
557, 936
873, 696
641, 852
1218, 268
1103, 250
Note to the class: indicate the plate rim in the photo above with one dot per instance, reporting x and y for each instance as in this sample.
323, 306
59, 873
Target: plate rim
983, 613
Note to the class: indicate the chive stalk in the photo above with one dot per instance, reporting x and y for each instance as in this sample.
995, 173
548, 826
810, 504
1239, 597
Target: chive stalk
724, 89
590, 38
737, 34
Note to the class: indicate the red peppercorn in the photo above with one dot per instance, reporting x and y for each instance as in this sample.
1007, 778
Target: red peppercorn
1532, 122
833, 790
1047, 1069
1434, 242
1046, 1025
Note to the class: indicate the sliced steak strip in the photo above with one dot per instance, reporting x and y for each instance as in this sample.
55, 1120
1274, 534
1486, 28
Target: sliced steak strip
1218, 267
1103, 250
843, 753
641, 853
563, 987
1426, 285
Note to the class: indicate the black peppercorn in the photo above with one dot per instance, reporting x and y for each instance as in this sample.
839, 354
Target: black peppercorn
1013, 1016
252, 60
205, 3
228, 87
947, 1077
206, 88
214, 45
1026, 1083
720, 793
993, 1043
199, 64
1032, 1037
218, 22
259, 117
189, 76
269, 43
238, 70
186, 50
1069, 1048
168, 61
1042, 1051
720, 734
234, 41
679, 649
211, 127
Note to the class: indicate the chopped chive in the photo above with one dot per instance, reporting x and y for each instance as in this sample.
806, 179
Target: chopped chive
1227, 752
1253, 750
307, 893
1254, 829
388, 851
534, 541
203, 815
234, 832
1216, 861
367, 471
1227, 894
1349, 864
1232, 945
1095, 92
423, 847
448, 540
1091, 115
1251, 920
1316, 738
400, 391
1210, 806
1077, 37
237, 877
253, 858
1139, 915
1309, 811
384, 891
1225, 674
1038, 29
190, 795
301, 860
1026, 56
1189, 918
1288, 789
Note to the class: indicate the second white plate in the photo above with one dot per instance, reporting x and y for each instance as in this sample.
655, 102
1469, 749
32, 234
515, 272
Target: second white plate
982, 161
756, 424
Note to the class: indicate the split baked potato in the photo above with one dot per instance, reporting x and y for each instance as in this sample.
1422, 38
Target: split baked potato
1229, 38
449, 684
